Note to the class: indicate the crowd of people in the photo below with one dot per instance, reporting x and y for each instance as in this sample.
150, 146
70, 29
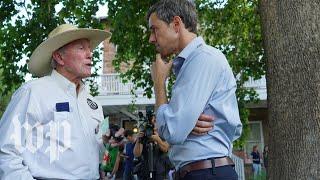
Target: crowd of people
128, 153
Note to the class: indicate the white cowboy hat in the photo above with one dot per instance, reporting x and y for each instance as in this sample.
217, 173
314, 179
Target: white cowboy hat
40, 60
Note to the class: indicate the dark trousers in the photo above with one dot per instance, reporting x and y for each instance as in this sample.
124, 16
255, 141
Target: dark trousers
220, 173
156, 177
127, 174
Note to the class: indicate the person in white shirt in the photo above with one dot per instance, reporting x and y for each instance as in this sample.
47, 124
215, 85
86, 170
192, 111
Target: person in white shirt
49, 129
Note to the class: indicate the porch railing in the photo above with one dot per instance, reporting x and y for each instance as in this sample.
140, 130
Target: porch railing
239, 166
111, 84
257, 84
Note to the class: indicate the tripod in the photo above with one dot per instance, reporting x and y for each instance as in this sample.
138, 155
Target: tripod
150, 148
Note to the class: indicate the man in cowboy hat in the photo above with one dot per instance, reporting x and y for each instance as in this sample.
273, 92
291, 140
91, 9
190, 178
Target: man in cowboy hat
49, 128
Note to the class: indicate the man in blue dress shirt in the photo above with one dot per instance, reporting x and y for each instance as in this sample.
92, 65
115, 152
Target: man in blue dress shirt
204, 85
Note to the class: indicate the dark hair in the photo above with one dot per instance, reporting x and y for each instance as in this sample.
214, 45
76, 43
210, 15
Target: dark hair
167, 9
128, 132
113, 129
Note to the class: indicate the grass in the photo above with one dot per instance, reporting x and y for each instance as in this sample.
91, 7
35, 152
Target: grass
262, 176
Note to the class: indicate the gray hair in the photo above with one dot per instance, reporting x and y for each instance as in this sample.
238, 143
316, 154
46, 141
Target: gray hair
53, 63
167, 9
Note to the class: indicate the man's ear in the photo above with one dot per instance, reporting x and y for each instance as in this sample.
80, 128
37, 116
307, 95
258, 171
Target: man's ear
58, 58
177, 23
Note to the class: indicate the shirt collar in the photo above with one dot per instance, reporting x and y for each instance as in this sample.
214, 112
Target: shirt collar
65, 83
177, 64
185, 53
194, 44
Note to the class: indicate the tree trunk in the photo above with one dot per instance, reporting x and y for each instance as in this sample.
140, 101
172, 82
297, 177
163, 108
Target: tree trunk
291, 32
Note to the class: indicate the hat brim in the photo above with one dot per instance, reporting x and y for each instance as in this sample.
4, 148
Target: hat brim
40, 60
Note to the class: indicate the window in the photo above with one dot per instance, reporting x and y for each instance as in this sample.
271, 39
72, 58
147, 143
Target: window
128, 124
255, 137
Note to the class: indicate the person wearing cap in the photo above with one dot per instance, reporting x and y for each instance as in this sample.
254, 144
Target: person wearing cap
204, 84
49, 128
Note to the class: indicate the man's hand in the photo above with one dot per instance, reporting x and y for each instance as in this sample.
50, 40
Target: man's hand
139, 136
155, 137
160, 70
203, 125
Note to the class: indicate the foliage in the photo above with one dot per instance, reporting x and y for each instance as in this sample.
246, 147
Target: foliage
24, 26
4, 102
232, 26
129, 32
4, 99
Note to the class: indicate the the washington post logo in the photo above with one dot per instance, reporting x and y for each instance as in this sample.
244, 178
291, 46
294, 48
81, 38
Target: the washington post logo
58, 134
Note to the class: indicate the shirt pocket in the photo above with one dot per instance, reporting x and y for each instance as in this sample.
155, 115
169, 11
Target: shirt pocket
61, 130
94, 124
95, 121
95, 115
60, 116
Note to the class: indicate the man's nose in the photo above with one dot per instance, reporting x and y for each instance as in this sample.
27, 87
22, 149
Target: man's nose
89, 53
152, 39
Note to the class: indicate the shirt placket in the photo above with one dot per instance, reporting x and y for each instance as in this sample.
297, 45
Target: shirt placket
84, 125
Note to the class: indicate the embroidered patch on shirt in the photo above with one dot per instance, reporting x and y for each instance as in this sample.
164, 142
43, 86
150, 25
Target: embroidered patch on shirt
92, 104
63, 106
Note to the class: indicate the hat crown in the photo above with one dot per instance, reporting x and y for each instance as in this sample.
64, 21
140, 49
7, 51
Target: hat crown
61, 29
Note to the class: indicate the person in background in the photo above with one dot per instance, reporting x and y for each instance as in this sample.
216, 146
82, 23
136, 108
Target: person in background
266, 158
111, 152
160, 149
128, 155
49, 129
256, 164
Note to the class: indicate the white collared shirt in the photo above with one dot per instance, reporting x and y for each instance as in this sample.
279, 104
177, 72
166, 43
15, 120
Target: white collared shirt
49, 132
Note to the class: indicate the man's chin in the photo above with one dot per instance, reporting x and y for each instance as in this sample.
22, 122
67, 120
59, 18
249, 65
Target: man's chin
163, 56
86, 75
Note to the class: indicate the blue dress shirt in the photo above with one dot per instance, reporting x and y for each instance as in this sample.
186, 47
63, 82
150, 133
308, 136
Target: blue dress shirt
204, 84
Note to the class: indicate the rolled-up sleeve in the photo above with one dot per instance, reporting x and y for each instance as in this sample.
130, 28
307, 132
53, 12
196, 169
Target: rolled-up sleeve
12, 137
226, 108
194, 85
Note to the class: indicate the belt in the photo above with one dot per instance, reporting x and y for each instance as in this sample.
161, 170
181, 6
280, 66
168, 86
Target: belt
202, 164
